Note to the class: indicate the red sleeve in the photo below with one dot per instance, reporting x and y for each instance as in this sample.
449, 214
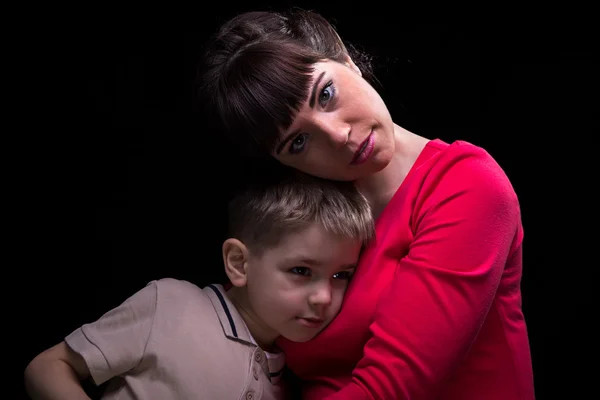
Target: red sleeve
464, 222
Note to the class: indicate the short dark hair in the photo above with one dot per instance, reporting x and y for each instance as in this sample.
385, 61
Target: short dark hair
257, 69
270, 206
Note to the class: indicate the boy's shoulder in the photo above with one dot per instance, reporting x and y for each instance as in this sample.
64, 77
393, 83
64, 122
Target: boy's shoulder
187, 303
176, 294
173, 285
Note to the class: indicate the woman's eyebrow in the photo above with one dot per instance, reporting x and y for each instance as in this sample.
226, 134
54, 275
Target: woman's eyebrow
311, 103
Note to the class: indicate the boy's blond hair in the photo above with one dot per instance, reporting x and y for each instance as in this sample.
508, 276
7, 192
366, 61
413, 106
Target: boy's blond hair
280, 203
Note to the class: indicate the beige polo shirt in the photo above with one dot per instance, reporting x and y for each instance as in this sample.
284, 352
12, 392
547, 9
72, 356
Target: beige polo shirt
173, 340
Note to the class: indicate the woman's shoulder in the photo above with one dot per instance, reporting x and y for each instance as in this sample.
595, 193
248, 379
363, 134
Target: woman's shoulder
463, 166
466, 156
459, 149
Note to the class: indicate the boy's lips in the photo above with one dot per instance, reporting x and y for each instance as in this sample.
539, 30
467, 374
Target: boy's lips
310, 322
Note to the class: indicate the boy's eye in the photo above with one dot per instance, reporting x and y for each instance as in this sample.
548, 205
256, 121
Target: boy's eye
343, 275
301, 271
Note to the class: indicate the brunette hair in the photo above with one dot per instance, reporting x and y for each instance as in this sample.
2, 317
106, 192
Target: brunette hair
257, 68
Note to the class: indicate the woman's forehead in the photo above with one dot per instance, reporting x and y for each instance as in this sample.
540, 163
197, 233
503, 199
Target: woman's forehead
321, 71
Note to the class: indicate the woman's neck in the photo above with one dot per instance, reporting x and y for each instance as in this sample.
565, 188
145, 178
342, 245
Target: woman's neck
380, 187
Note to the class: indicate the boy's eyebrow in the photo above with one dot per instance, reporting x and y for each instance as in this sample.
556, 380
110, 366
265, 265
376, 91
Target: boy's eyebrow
311, 103
315, 263
305, 260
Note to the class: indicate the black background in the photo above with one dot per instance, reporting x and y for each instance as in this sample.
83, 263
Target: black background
127, 182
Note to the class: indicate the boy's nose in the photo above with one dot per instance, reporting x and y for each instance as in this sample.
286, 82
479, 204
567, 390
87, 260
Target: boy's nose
321, 296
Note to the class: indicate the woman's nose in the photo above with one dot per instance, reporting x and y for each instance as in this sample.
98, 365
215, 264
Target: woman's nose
336, 130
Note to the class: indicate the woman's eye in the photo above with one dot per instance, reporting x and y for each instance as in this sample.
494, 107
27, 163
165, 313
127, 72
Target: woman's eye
326, 94
298, 143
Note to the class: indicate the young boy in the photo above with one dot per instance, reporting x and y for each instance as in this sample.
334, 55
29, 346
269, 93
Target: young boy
294, 243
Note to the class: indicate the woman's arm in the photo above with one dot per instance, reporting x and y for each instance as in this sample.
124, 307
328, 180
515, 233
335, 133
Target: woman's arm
444, 287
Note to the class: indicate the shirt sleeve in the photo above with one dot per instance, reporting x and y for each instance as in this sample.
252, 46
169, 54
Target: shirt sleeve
444, 287
115, 343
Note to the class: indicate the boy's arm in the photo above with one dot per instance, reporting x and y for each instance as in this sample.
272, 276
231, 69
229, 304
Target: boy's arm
112, 345
56, 373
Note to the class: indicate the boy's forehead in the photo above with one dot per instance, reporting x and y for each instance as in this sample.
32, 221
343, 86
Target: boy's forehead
316, 245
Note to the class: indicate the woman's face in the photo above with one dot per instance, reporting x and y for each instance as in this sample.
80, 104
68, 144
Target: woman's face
344, 131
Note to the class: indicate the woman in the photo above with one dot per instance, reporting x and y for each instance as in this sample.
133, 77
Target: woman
434, 309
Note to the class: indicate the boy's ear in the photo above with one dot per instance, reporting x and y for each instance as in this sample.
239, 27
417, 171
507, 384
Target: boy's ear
235, 259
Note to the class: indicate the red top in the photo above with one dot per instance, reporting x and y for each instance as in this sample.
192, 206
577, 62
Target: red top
434, 309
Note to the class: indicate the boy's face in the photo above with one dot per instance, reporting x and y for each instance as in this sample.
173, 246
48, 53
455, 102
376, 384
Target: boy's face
296, 288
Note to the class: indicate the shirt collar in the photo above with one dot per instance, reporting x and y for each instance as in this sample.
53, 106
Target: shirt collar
231, 321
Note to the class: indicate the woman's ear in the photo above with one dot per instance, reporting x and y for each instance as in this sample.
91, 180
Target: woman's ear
351, 64
235, 258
